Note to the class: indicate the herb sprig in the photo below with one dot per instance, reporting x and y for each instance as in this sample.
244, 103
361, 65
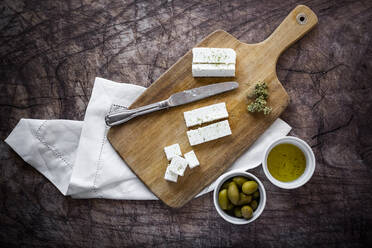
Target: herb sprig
260, 94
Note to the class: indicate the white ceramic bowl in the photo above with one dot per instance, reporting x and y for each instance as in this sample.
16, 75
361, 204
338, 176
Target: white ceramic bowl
310, 162
234, 220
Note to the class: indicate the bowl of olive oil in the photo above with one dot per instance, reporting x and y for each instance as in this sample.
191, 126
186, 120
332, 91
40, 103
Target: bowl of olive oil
289, 162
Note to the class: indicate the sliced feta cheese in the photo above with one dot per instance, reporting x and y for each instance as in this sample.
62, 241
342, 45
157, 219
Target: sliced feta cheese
208, 133
206, 55
213, 70
172, 150
191, 159
170, 176
178, 165
205, 114
195, 137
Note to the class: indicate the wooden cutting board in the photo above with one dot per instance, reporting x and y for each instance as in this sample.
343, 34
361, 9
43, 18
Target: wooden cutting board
140, 142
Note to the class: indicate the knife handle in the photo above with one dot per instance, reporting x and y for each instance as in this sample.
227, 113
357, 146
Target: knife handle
125, 115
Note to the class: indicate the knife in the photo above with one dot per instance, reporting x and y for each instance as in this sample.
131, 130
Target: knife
174, 100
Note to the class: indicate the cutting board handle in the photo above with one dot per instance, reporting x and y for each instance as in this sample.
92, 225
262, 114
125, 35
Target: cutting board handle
300, 21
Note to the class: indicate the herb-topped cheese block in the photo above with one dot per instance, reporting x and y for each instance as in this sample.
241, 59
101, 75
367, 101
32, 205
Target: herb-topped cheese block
213, 62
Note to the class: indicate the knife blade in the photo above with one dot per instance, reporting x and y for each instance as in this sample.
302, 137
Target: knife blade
174, 100
196, 94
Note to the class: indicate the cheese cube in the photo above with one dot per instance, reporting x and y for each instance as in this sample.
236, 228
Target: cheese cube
178, 165
213, 70
208, 133
170, 176
172, 150
192, 160
205, 114
206, 55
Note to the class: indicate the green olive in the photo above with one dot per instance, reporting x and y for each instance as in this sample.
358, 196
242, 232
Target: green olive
239, 181
230, 206
249, 187
256, 194
225, 185
247, 212
244, 199
233, 193
238, 212
254, 204
223, 200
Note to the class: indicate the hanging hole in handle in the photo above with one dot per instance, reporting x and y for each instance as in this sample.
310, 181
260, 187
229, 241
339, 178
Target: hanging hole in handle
301, 18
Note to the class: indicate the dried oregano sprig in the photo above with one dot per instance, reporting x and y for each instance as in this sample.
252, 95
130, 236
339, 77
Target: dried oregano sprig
260, 89
261, 94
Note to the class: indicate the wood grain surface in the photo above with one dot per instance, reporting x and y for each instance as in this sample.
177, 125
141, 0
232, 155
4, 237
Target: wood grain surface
140, 142
51, 51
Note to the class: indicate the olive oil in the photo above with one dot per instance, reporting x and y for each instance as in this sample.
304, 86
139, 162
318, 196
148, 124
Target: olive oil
286, 162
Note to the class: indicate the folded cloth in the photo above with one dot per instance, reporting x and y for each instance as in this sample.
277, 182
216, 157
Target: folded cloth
78, 159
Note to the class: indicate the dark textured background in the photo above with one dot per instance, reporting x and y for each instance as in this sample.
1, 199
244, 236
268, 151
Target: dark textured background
50, 52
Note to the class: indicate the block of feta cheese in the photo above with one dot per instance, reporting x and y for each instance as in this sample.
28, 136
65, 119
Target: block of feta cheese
191, 159
170, 176
206, 114
178, 165
208, 133
206, 55
213, 62
172, 150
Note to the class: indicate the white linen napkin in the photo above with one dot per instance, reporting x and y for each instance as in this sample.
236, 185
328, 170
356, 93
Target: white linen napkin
78, 159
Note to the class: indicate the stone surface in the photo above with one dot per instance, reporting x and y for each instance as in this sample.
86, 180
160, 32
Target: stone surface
50, 52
